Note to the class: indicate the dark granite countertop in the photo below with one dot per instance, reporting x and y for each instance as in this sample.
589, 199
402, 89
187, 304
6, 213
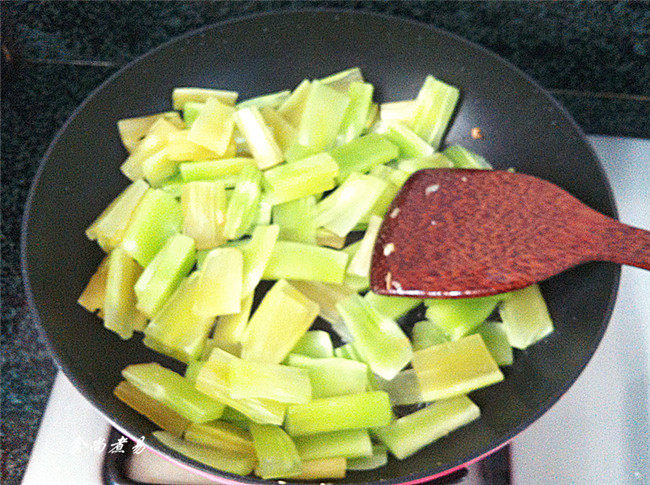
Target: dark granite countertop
594, 57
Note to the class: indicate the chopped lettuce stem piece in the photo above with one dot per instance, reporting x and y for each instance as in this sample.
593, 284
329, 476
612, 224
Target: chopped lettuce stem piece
293, 107
161, 277
325, 237
496, 340
227, 461
212, 379
180, 96
363, 153
391, 307
378, 459
276, 453
341, 81
272, 100
343, 352
433, 108
219, 290
412, 165
155, 219
410, 145
180, 149
230, 328
243, 204
213, 128
296, 220
175, 330
323, 468
525, 317
383, 202
403, 389
153, 410
283, 316
109, 228
353, 443
340, 211
257, 254
373, 113
132, 130
120, 313
297, 261
159, 167
378, 339
268, 381
193, 367
463, 158
314, 343
426, 333
231, 415
322, 117
204, 213
173, 391
191, 111
173, 186
353, 411
153, 142
92, 298
221, 435
303, 178
214, 169
408, 434
263, 216
332, 376
259, 137
284, 132
356, 116
357, 283
400, 111
460, 316
327, 295
360, 262
454, 368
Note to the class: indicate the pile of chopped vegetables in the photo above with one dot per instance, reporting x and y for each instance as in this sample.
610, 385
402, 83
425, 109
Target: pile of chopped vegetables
276, 188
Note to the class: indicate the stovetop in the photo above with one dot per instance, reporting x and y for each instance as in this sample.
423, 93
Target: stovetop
599, 432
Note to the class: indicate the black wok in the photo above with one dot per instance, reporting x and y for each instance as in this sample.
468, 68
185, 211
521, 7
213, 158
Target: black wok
523, 127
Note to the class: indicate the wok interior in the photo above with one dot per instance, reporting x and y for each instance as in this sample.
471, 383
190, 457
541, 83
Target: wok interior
522, 127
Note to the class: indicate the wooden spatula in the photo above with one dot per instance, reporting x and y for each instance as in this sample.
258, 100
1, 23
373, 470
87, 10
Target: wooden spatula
454, 233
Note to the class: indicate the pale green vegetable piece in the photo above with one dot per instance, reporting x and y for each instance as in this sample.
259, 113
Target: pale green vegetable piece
410, 144
221, 435
282, 317
296, 219
191, 110
403, 389
213, 128
284, 132
92, 298
227, 461
463, 158
391, 306
219, 290
276, 453
230, 329
268, 381
525, 317
204, 213
455, 368
321, 469
433, 108
408, 434
133, 130
243, 204
257, 254
214, 169
378, 459
435, 160
314, 343
272, 100
363, 153
356, 116
459, 316
426, 333
293, 107
360, 262
297, 261
400, 111
332, 376
352, 443
181, 96
342, 81
496, 340
153, 142
325, 237
259, 137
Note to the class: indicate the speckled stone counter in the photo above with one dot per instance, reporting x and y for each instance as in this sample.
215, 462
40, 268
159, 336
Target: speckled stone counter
593, 57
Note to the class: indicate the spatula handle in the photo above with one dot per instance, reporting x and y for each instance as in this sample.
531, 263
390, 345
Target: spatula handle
625, 244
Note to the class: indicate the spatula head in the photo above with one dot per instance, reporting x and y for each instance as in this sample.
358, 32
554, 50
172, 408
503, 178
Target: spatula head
454, 233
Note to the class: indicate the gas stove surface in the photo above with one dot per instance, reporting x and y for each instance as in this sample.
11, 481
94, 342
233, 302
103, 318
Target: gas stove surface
599, 432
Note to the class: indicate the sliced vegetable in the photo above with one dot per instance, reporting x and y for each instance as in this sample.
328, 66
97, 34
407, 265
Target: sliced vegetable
460, 316
356, 115
133, 130
323, 468
433, 108
213, 128
455, 368
332, 376
243, 204
181, 96
325, 237
496, 340
353, 411
109, 228
176, 330
353, 443
227, 461
161, 277
340, 211
173, 391
400, 111
378, 459
219, 290
408, 434
268, 381
259, 137
272, 100
230, 329
363, 153
191, 110
463, 158
180, 149
525, 317
214, 169
360, 262
276, 453
257, 255
222, 435
341, 81
410, 144
403, 389
92, 298
282, 317
314, 343
378, 339
435, 160
204, 213
426, 333
297, 261
284, 132
154, 141
391, 307
296, 220
293, 107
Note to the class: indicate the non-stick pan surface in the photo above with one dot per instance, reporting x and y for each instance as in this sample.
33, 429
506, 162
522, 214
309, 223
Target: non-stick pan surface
523, 127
